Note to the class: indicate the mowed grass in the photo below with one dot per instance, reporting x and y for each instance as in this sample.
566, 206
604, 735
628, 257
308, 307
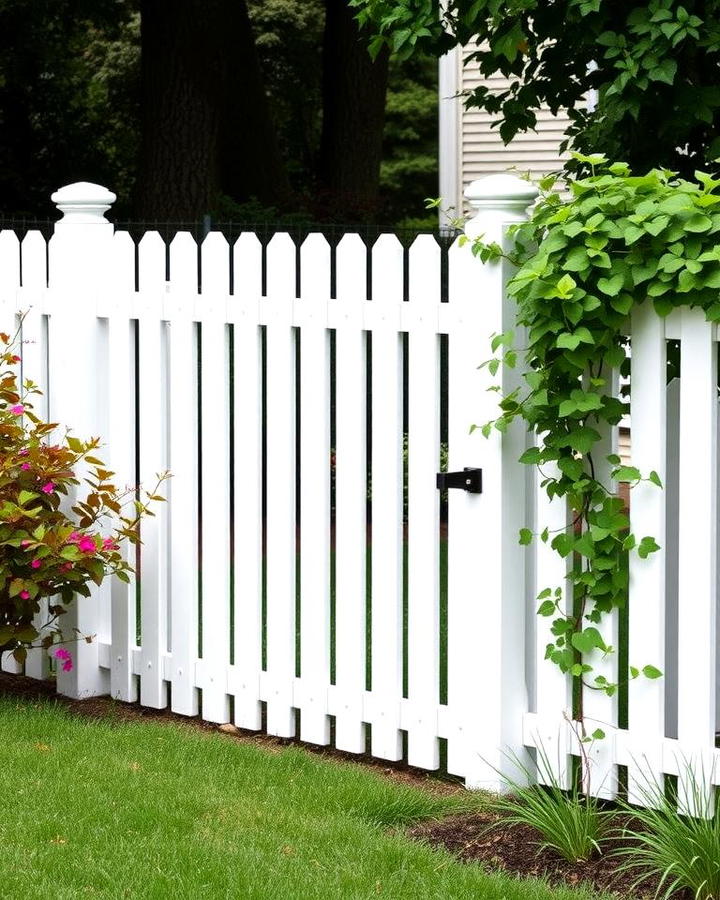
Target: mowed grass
103, 808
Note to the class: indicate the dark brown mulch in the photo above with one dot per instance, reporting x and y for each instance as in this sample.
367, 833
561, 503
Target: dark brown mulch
513, 849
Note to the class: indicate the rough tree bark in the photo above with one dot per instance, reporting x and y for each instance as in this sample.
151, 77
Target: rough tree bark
206, 125
354, 93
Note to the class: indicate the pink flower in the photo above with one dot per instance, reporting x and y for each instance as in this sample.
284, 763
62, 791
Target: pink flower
25, 466
36, 564
48, 488
62, 653
24, 452
15, 359
86, 544
109, 544
67, 566
25, 542
25, 595
73, 537
17, 410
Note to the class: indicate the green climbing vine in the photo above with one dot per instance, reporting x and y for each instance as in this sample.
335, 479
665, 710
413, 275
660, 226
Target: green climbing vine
583, 262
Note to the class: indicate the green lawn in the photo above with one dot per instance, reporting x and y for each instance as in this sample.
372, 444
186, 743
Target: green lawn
154, 810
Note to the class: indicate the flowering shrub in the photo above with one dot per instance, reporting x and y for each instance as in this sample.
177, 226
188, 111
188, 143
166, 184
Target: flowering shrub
55, 537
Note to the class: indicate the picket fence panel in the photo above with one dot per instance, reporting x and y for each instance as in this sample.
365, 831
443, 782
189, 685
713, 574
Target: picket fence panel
293, 582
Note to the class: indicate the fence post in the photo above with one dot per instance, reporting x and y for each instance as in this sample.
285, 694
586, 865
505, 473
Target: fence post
78, 275
487, 691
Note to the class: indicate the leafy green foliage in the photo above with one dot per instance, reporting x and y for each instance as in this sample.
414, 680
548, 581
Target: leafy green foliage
583, 263
684, 851
571, 824
47, 550
654, 66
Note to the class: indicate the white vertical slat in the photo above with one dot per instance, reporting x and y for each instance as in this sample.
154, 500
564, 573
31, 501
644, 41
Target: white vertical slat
646, 698
33, 351
120, 454
697, 583
465, 563
280, 425
553, 700
672, 518
183, 512
387, 499
599, 709
215, 462
350, 496
9, 285
247, 362
314, 490
423, 504
9, 278
152, 440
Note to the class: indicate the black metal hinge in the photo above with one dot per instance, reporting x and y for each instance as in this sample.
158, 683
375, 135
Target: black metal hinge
469, 480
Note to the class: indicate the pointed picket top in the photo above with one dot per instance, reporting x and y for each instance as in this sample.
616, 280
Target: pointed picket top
462, 274
387, 269
34, 259
9, 260
215, 269
281, 266
424, 276
83, 203
183, 254
247, 266
123, 262
315, 268
151, 261
351, 256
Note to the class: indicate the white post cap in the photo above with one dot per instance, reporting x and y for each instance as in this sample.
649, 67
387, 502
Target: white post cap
504, 191
83, 203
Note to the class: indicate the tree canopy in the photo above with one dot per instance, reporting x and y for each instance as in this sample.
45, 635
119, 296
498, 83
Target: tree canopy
653, 67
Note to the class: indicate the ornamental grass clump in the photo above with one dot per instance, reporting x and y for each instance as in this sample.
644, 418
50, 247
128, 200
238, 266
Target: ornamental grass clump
570, 823
62, 519
682, 850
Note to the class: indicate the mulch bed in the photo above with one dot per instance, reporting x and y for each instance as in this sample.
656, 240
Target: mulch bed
513, 849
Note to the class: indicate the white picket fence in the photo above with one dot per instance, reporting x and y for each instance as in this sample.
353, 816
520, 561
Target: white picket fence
280, 612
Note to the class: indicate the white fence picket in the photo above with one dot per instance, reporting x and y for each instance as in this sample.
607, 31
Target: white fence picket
383, 702
601, 709
646, 614
553, 700
247, 466
183, 511
215, 464
697, 553
314, 491
465, 562
277, 309
423, 504
33, 367
120, 454
347, 695
152, 356
9, 286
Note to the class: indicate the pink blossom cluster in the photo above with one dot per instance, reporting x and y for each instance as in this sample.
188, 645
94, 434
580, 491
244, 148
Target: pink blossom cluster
64, 655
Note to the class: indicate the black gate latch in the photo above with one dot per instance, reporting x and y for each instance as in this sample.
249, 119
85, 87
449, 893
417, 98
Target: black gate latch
469, 480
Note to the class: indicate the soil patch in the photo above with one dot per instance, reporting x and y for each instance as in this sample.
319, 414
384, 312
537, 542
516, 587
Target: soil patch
514, 849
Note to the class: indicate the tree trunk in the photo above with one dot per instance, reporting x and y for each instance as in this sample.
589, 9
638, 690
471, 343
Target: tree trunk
206, 125
354, 91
